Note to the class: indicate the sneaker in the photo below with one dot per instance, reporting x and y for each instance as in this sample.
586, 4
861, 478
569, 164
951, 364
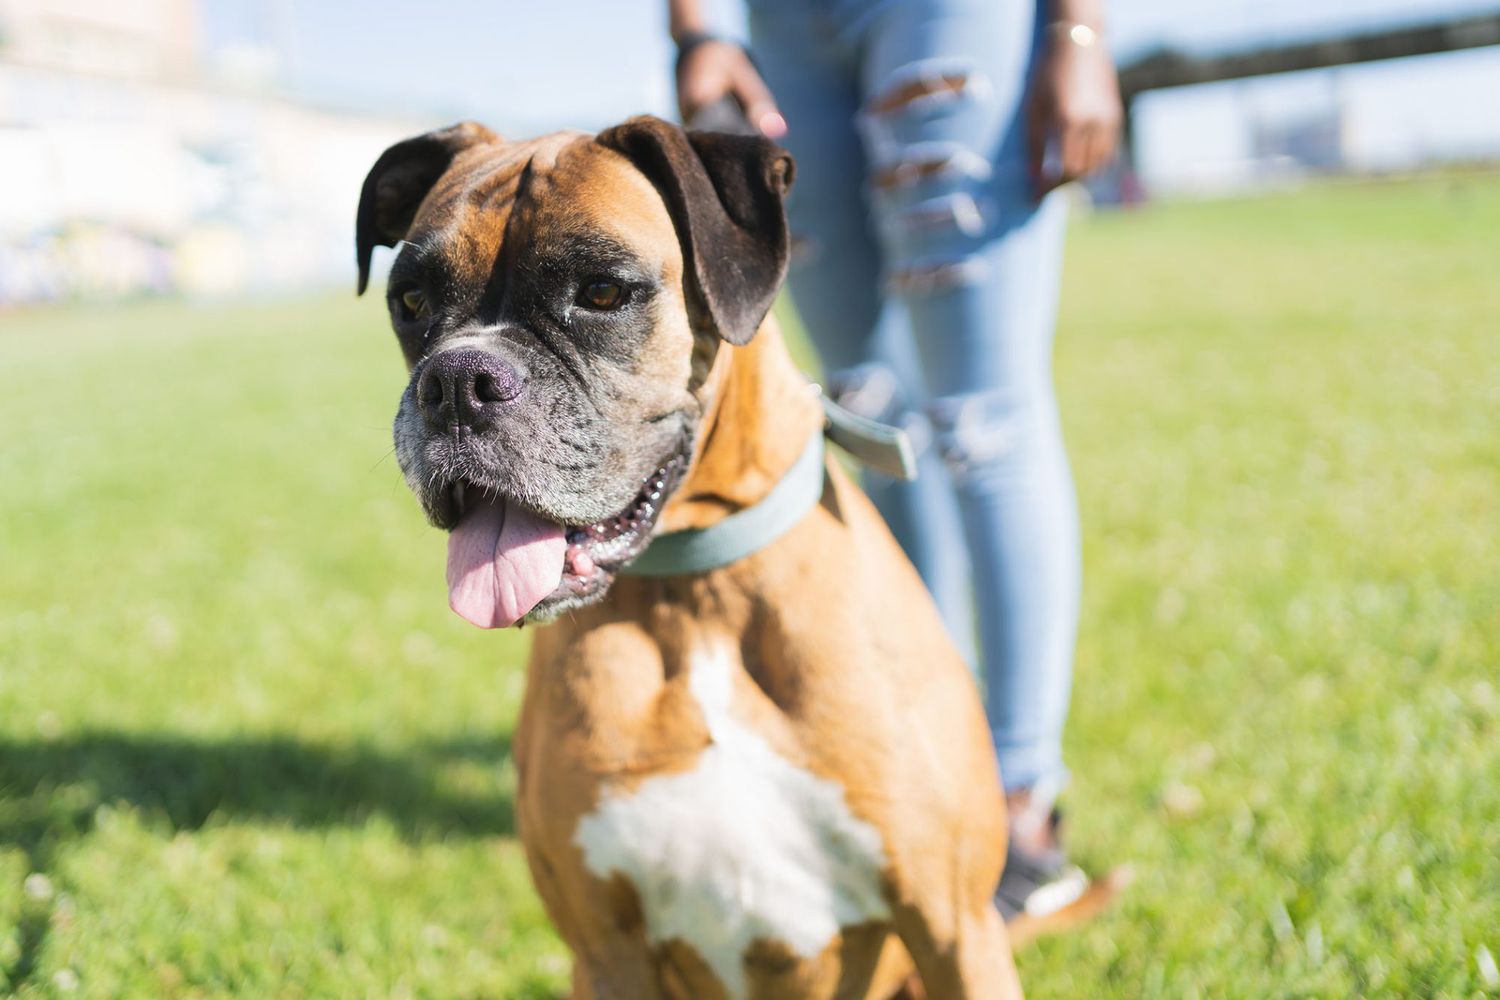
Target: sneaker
1039, 884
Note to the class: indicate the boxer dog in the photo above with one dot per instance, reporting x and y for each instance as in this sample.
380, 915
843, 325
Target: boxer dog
770, 779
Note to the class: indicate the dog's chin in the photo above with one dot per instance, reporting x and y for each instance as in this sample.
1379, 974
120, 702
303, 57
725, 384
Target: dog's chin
594, 553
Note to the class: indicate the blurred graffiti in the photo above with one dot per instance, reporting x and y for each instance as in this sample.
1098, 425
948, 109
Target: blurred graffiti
132, 165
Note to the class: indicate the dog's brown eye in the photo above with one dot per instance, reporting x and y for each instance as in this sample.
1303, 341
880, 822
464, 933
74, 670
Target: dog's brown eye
413, 303
602, 295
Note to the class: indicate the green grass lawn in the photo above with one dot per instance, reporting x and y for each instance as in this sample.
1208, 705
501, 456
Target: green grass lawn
246, 750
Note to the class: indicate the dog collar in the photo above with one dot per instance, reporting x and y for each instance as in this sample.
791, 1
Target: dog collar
698, 550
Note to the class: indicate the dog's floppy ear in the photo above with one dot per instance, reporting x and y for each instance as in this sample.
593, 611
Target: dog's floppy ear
400, 180
725, 195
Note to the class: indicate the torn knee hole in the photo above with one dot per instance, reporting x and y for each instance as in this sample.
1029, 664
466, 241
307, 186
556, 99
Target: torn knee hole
922, 85
907, 173
870, 390
933, 276
957, 211
971, 431
923, 164
905, 92
962, 453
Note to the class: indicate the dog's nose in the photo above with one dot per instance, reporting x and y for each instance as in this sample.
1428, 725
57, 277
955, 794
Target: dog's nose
465, 388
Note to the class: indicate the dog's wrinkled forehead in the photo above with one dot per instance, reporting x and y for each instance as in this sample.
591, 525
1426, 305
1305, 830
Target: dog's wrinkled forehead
703, 207
500, 204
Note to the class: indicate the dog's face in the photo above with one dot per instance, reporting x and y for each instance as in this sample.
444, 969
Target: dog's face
559, 302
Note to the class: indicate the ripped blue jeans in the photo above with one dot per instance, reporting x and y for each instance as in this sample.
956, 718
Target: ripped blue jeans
927, 274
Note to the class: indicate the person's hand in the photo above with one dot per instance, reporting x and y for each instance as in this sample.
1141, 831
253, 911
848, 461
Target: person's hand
1073, 122
713, 70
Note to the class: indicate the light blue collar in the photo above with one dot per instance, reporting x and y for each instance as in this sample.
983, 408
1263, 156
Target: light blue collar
680, 553
698, 550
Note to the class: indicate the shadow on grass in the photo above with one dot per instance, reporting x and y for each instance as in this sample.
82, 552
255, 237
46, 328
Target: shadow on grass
51, 790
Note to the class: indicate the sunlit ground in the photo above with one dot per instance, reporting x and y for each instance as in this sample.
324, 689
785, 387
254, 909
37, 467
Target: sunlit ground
245, 749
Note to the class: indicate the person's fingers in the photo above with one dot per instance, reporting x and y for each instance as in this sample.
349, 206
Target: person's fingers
1108, 142
706, 76
685, 107
759, 104
1093, 148
1084, 149
1074, 151
1049, 184
1037, 126
701, 85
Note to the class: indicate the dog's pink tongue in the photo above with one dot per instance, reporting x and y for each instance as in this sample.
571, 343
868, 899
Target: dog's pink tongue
502, 560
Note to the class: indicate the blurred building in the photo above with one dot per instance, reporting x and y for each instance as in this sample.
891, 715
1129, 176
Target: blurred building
1308, 142
1395, 89
133, 164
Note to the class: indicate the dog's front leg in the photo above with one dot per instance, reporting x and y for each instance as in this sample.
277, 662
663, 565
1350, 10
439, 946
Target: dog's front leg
969, 959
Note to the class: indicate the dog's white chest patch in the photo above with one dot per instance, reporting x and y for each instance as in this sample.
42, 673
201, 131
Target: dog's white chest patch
744, 846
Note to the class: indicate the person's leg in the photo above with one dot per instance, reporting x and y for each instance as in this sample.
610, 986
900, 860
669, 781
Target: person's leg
923, 514
835, 284
835, 256
977, 261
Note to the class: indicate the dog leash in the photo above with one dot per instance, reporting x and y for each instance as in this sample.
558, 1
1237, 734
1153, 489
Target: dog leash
875, 445
697, 550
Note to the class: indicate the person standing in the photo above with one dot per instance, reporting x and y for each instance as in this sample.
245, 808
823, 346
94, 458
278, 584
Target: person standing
929, 137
